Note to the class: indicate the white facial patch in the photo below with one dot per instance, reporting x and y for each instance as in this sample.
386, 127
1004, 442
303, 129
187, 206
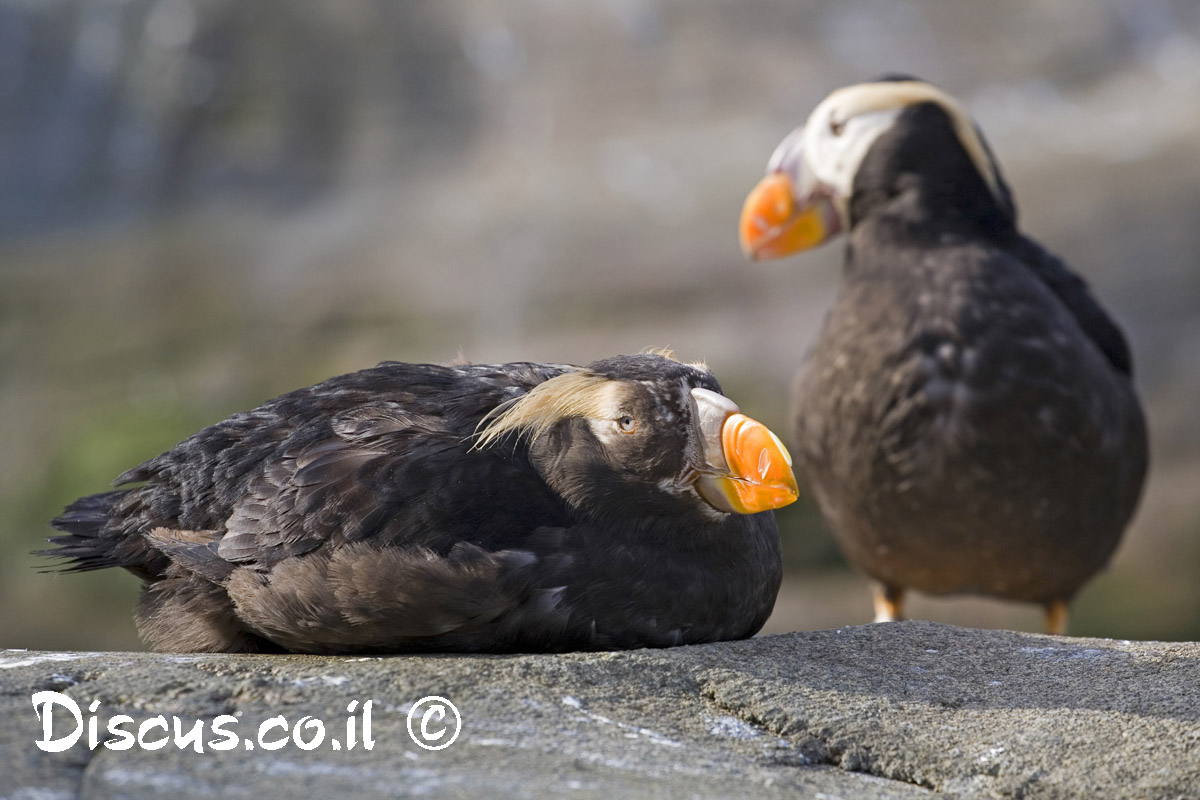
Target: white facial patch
834, 158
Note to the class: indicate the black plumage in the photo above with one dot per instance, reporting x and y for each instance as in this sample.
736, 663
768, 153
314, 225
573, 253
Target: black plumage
418, 507
967, 420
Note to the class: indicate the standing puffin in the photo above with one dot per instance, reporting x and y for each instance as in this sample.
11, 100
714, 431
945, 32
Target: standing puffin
417, 507
966, 421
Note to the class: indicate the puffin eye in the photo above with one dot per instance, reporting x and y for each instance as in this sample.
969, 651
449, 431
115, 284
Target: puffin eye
837, 126
627, 424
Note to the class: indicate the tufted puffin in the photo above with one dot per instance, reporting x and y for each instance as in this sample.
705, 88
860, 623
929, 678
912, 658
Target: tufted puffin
966, 420
478, 508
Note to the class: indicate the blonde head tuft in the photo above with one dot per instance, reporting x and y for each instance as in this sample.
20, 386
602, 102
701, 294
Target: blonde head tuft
572, 394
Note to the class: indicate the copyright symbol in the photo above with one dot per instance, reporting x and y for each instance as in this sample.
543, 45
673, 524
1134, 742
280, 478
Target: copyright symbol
429, 723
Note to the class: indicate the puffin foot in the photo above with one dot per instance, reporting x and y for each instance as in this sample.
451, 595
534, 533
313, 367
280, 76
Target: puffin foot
1058, 612
889, 603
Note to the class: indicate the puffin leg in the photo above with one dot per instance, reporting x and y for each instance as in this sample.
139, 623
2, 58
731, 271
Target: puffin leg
1058, 612
889, 603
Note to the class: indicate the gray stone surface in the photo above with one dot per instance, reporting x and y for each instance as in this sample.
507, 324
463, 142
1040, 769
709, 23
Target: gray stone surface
907, 710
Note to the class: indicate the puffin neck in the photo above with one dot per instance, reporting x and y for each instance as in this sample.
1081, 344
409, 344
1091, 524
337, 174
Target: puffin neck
687, 532
918, 182
917, 212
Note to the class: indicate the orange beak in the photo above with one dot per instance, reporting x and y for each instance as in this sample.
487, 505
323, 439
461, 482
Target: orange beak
747, 468
760, 467
773, 225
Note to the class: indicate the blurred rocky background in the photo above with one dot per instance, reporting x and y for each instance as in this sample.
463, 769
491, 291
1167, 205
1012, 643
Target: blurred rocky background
206, 203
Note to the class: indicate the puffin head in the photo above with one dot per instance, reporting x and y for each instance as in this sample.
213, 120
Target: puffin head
646, 435
898, 140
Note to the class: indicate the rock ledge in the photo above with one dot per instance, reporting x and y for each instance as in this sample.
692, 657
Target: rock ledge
903, 710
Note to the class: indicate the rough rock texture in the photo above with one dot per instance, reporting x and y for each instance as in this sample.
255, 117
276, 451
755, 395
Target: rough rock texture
902, 710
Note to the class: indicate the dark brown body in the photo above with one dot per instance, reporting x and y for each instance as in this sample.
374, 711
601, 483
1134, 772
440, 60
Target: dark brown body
959, 428
358, 515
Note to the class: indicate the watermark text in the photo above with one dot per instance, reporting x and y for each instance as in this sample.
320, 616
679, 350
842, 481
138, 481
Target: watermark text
64, 725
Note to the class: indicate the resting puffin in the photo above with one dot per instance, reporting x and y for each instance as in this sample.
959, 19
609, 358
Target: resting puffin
419, 507
966, 421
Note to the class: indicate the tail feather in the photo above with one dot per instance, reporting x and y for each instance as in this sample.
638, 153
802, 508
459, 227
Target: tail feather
95, 537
